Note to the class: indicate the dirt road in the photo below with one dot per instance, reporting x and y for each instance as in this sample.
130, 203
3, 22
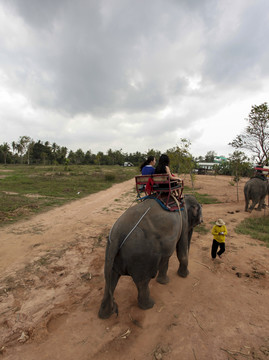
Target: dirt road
52, 283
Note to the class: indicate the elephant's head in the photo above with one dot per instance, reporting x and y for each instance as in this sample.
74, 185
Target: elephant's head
194, 209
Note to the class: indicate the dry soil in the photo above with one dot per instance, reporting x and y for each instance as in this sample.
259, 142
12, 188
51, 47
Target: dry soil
52, 284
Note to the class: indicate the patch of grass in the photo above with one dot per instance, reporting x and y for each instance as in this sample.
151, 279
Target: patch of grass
201, 198
201, 229
110, 177
257, 228
50, 186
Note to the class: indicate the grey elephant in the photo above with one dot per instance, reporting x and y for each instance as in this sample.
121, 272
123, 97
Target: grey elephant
256, 190
140, 245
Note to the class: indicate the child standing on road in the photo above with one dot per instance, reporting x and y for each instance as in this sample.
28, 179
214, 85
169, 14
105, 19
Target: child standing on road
218, 231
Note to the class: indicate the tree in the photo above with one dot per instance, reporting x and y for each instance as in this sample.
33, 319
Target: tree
61, 153
255, 137
13, 146
89, 157
54, 149
4, 149
19, 150
181, 161
114, 157
79, 156
238, 163
136, 158
210, 156
40, 152
71, 157
24, 146
99, 158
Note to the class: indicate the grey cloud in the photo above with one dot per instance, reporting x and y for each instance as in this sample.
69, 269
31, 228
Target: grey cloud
39, 14
119, 63
236, 58
84, 59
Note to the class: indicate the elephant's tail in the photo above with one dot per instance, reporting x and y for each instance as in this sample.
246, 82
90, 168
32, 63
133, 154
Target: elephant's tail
108, 305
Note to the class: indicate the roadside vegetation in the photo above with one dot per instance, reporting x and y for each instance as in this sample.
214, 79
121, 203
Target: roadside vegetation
25, 190
257, 228
29, 189
201, 198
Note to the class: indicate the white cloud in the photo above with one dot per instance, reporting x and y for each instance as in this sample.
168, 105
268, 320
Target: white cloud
131, 75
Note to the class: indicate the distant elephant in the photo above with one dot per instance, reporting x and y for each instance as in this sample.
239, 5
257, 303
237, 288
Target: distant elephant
140, 245
256, 190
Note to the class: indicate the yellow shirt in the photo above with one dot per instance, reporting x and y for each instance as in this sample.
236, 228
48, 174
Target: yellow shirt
215, 232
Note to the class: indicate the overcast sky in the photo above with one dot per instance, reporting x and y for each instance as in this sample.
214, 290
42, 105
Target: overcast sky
132, 74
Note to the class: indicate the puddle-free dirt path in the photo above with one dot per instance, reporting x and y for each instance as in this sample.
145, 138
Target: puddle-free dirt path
52, 283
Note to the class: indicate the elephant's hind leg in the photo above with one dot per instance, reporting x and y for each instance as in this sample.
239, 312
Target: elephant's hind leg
254, 203
144, 300
261, 204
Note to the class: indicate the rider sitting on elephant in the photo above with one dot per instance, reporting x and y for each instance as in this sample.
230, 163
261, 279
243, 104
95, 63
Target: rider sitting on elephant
147, 168
163, 168
259, 173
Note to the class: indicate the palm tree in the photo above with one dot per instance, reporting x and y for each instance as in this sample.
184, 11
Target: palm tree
13, 146
19, 150
5, 149
25, 142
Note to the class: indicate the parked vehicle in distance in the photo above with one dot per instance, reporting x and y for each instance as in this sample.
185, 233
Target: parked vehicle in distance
127, 163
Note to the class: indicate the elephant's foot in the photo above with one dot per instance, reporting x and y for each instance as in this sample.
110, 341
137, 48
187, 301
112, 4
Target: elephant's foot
183, 273
258, 209
105, 313
163, 279
146, 304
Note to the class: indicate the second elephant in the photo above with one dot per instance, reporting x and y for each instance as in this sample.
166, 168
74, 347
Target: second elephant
256, 190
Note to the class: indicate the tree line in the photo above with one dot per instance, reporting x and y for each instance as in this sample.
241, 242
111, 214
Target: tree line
28, 151
255, 139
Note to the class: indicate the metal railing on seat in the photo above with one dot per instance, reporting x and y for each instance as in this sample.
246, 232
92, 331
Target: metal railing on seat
159, 185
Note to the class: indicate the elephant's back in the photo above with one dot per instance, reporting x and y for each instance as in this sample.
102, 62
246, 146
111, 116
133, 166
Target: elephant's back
146, 210
147, 219
255, 184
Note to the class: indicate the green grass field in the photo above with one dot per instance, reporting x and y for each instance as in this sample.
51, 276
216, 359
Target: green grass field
25, 190
257, 228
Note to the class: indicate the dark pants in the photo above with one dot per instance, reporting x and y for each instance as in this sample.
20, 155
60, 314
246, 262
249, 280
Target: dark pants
214, 248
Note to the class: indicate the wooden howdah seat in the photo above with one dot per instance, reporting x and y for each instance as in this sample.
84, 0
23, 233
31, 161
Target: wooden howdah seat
160, 187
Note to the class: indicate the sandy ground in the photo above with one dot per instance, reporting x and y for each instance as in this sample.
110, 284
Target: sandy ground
52, 284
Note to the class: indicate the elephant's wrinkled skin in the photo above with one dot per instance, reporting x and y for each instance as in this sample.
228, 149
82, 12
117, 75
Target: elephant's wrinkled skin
256, 190
140, 245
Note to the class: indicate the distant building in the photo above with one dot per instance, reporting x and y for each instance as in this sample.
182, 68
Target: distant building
219, 159
207, 167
